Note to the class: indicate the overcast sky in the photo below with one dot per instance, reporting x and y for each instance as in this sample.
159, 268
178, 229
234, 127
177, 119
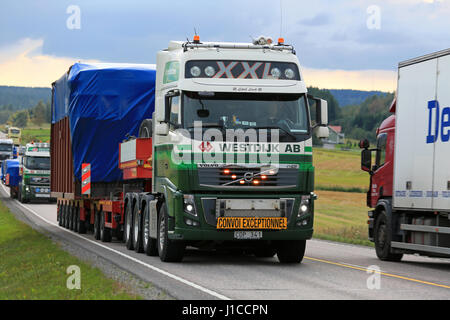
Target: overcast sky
340, 43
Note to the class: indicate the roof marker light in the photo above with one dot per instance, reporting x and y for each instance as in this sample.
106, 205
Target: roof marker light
196, 39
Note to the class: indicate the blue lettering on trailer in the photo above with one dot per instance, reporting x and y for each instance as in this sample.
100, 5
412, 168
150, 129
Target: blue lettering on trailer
442, 122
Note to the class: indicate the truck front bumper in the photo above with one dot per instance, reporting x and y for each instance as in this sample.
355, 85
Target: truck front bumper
203, 224
36, 192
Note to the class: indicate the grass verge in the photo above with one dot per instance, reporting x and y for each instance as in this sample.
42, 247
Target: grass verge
341, 216
34, 267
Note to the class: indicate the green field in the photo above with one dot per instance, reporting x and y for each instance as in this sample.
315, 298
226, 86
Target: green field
337, 170
340, 216
36, 135
34, 267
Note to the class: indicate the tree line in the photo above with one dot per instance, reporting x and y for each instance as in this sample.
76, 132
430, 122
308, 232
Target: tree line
357, 121
39, 114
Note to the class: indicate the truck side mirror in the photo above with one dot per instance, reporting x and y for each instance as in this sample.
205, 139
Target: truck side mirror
322, 112
366, 160
321, 132
319, 111
162, 128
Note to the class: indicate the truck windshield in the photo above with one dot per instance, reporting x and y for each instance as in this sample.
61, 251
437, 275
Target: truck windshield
287, 112
6, 147
37, 163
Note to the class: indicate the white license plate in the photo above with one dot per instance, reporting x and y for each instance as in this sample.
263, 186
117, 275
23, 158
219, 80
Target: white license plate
42, 196
248, 235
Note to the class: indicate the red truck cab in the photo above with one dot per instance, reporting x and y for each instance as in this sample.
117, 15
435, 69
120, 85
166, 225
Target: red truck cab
379, 195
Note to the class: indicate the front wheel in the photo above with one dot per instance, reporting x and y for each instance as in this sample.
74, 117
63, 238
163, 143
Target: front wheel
169, 251
383, 238
290, 251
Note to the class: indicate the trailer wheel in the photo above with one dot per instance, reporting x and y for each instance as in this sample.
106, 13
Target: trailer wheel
128, 230
169, 251
105, 233
137, 222
63, 216
149, 245
96, 224
76, 217
145, 130
291, 251
71, 219
66, 217
383, 237
81, 225
59, 214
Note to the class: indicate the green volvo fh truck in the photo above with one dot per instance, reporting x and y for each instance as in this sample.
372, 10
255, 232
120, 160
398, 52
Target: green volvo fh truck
223, 156
35, 172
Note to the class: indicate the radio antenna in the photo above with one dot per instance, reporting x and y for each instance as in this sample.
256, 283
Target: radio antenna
281, 18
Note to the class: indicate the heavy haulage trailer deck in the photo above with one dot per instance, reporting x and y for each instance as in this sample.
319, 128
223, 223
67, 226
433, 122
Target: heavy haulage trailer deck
164, 157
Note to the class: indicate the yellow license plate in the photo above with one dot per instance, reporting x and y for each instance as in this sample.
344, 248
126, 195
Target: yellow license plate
233, 223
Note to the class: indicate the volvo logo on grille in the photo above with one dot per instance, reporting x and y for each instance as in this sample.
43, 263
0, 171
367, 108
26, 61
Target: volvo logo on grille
248, 176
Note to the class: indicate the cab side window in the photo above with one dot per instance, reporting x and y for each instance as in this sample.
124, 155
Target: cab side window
381, 149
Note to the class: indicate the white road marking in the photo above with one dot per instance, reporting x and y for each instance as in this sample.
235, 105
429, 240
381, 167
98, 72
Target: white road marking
172, 276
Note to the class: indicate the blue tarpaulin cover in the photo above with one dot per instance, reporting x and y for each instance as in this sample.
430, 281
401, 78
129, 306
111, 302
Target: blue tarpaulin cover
103, 102
11, 167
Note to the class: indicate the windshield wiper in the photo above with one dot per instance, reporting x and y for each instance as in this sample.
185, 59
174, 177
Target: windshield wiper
276, 127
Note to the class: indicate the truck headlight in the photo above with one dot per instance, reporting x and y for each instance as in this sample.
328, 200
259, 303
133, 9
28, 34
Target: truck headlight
27, 188
189, 204
304, 206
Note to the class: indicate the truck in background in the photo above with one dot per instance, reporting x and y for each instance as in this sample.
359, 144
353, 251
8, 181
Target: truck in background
35, 173
410, 180
11, 177
15, 134
6, 149
176, 187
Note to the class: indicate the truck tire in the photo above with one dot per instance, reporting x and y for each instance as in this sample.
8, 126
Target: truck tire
137, 223
382, 238
81, 224
96, 225
128, 228
149, 245
71, 219
105, 233
75, 218
63, 216
145, 130
58, 206
290, 251
66, 217
169, 251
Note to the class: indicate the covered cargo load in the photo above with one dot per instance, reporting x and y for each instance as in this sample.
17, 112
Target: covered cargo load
94, 108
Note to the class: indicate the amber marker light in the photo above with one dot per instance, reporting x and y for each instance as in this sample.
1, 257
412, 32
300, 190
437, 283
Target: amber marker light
264, 177
226, 171
255, 182
233, 176
242, 182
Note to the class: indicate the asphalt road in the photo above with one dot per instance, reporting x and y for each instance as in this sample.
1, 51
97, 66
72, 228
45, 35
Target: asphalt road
329, 270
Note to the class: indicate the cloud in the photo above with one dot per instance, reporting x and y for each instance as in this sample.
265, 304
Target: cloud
358, 79
318, 20
24, 64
